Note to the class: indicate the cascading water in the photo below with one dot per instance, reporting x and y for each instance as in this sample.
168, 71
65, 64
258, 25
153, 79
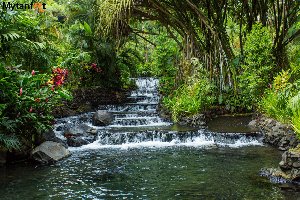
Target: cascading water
138, 124
141, 156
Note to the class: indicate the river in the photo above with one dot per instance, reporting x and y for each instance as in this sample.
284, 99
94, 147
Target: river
141, 156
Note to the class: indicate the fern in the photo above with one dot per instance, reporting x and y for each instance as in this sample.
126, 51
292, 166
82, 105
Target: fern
294, 103
10, 36
9, 142
296, 123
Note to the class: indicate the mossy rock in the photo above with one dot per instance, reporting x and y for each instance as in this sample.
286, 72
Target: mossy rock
295, 150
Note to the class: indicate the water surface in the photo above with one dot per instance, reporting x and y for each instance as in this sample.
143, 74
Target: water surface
141, 156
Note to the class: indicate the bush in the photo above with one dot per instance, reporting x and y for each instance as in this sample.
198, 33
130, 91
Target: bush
275, 103
26, 103
296, 123
191, 98
294, 104
282, 100
257, 65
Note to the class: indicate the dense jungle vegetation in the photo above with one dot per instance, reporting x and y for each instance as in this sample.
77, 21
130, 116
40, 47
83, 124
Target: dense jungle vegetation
241, 56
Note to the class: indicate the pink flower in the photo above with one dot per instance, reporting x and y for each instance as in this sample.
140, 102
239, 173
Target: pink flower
32, 72
30, 110
21, 91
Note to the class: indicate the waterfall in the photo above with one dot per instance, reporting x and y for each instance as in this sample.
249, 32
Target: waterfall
138, 124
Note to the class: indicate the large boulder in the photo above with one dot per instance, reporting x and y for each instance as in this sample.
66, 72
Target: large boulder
102, 118
50, 136
77, 130
49, 152
80, 135
74, 141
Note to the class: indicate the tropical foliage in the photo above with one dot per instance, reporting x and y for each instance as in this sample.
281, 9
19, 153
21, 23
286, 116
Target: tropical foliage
242, 45
44, 56
234, 55
27, 100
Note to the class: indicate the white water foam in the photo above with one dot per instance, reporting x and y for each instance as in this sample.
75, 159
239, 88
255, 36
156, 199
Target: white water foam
144, 125
197, 142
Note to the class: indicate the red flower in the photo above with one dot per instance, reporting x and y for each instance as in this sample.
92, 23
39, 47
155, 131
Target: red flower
59, 76
52, 88
32, 72
21, 91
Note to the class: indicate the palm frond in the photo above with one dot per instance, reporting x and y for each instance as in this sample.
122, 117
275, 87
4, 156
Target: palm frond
110, 12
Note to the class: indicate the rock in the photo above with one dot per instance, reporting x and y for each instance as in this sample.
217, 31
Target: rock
77, 130
296, 164
92, 131
80, 135
60, 128
102, 118
197, 120
295, 155
282, 163
281, 148
50, 136
275, 175
252, 123
285, 163
277, 134
76, 141
49, 152
295, 175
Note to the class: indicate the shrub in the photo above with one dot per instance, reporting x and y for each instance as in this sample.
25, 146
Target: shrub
191, 98
26, 103
294, 105
257, 65
275, 102
296, 123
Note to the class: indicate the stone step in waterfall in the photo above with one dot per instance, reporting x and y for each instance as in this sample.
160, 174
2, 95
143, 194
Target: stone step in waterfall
137, 124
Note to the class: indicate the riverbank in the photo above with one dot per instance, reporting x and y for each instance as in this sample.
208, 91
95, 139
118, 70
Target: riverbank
276, 134
283, 137
84, 100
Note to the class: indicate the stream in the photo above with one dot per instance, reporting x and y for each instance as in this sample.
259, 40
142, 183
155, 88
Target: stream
142, 156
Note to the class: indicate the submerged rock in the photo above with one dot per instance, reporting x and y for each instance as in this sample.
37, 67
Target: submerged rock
49, 152
289, 167
102, 118
197, 120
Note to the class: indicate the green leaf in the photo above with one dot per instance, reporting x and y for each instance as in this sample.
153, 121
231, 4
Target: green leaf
64, 94
87, 29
